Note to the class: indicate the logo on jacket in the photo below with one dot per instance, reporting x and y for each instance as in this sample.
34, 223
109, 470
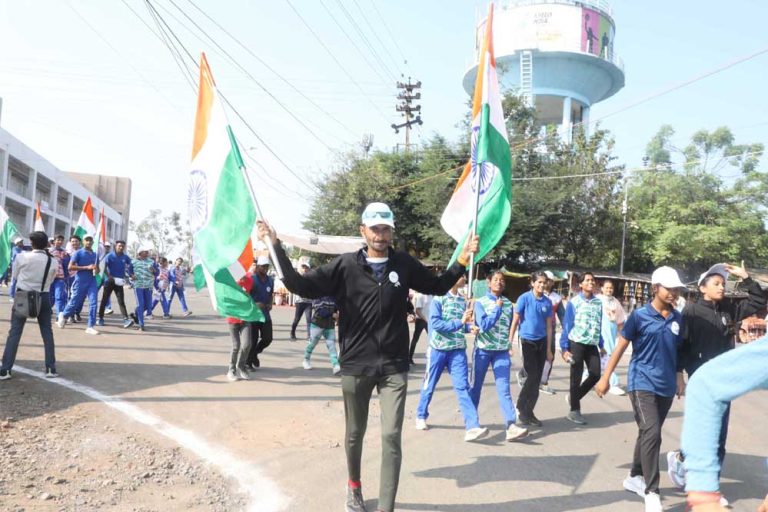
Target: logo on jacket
675, 328
725, 320
394, 278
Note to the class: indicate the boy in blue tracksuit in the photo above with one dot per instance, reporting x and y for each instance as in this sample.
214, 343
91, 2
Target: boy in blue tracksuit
449, 319
84, 264
493, 315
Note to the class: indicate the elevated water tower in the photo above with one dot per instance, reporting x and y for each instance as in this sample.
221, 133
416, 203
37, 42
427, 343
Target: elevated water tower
559, 54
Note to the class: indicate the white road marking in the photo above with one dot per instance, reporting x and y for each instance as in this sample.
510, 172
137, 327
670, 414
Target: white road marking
263, 493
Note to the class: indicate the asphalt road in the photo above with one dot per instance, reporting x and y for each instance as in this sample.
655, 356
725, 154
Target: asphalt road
289, 423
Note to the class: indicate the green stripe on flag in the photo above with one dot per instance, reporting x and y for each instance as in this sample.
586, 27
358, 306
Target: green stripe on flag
8, 233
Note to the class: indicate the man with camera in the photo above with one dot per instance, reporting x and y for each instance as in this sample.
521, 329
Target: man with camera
33, 272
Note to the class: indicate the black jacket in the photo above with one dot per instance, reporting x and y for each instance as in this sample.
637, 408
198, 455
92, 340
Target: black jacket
373, 325
709, 327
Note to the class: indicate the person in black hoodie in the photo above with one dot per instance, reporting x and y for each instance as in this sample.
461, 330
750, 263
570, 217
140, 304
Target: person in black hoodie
370, 287
709, 326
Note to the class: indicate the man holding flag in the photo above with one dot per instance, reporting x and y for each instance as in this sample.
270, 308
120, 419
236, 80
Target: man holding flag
370, 287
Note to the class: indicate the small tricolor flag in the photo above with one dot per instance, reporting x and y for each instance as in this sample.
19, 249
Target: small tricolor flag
39, 226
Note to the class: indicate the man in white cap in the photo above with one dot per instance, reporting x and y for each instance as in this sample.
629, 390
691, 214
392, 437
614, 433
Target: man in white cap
655, 333
709, 325
262, 293
370, 287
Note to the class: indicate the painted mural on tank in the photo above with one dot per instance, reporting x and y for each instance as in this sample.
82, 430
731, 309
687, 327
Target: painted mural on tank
597, 34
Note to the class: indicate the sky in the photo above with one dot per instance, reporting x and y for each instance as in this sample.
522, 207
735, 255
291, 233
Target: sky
90, 85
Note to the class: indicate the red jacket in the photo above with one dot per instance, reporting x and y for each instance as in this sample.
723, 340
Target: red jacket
246, 283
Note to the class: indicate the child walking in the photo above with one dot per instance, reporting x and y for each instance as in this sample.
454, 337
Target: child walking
323, 325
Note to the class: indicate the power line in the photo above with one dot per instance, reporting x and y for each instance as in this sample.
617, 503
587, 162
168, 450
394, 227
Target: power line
362, 35
177, 57
352, 42
237, 113
386, 27
270, 68
373, 31
351, 78
249, 75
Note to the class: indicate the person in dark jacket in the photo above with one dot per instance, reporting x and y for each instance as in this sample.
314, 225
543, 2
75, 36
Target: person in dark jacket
370, 287
709, 326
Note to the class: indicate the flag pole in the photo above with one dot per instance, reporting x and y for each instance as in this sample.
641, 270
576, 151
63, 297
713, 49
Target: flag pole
476, 181
259, 213
268, 241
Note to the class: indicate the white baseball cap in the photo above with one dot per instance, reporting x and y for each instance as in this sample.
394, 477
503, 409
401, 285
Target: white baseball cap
18, 239
378, 214
549, 275
666, 277
718, 269
144, 248
262, 260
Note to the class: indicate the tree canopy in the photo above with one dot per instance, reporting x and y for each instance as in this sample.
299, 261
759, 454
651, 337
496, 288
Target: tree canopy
567, 198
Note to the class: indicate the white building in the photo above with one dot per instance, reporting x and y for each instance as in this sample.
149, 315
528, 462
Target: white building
26, 177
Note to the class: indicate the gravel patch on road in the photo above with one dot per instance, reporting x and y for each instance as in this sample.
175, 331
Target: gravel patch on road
61, 452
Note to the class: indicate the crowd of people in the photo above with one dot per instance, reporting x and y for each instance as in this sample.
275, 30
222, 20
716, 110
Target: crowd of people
69, 276
668, 341
365, 295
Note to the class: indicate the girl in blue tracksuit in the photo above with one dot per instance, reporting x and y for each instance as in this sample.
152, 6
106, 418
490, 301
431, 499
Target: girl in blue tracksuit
448, 320
493, 315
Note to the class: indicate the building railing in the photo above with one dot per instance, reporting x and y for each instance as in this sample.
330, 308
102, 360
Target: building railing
17, 187
601, 5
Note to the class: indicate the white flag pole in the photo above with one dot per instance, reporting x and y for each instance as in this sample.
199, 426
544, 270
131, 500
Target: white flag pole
259, 213
476, 181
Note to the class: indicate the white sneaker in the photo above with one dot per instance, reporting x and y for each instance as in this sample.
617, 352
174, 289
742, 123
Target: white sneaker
306, 364
92, 331
231, 377
476, 433
653, 502
61, 321
148, 317
616, 390
546, 389
515, 433
724, 502
635, 484
421, 424
242, 374
675, 469
336, 369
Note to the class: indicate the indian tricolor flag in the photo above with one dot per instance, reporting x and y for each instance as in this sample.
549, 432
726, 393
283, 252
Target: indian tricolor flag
488, 173
85, 224
39, 226
220, 206
8, 232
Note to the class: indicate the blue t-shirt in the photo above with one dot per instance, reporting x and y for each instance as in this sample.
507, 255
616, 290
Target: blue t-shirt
262, 292
534, 315
83, 258
117, 265
655, 339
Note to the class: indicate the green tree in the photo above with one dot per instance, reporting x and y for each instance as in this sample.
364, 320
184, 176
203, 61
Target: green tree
689, 215
164, 233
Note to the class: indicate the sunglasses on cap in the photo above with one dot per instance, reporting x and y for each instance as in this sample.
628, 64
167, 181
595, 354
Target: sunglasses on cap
377, 215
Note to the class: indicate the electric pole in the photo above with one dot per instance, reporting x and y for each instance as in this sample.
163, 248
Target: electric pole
407, 96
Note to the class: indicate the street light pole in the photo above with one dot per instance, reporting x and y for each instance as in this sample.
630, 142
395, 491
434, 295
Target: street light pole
624, 209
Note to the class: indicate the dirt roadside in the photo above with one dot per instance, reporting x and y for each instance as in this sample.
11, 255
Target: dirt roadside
60, 453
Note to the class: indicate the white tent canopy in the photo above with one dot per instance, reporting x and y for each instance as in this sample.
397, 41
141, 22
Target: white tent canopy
324, 244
